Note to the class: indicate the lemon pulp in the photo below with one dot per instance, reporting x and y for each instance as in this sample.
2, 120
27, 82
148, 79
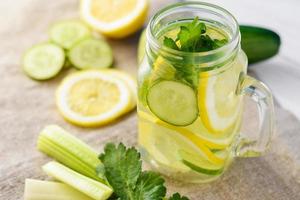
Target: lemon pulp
92, 97
114, 18
112, 10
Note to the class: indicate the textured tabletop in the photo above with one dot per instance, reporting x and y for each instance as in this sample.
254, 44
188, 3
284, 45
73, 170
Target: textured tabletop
27, 106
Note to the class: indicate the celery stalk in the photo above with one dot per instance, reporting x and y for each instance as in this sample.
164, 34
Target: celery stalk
67, 159
69, 150
46, 190
88, 186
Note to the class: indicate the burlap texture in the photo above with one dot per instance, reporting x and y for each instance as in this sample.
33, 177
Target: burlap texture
27, 106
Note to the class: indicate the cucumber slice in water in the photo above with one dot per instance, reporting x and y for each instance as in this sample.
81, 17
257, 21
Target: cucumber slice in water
91, 53
199, 164
89, 187
43, 61
173, 102
68, 33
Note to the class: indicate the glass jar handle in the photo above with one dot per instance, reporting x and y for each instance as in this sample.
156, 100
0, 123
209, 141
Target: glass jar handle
262, 96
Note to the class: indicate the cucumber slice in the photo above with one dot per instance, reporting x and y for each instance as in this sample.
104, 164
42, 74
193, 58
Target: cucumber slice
199, 164
43, 61
67, 149
259, 43
48, 190
91, 53
173, 102
89, 187
68, 33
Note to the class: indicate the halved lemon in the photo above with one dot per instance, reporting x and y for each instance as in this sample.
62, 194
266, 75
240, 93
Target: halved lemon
219, 105
114, 18
92, 98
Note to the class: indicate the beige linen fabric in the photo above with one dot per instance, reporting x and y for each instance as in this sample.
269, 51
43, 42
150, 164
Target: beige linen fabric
26, 106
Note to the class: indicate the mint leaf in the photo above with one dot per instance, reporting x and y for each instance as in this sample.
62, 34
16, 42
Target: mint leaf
150, 186
193, 38
189, 35
122, 169
177, 196
219, 43
169, 42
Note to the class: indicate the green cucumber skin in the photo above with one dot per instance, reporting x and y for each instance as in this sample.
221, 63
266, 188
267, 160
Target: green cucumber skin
259, 43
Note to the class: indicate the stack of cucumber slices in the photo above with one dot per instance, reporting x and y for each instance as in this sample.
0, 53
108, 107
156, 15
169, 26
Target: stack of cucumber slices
71, 42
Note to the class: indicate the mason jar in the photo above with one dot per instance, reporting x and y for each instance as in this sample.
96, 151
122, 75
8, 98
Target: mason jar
190, 104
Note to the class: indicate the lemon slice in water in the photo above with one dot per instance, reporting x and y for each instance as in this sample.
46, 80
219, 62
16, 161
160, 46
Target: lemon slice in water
92, 98
114, 18
219, 104
164, 143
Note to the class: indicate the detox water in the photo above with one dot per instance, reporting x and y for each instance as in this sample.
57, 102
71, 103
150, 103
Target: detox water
195, 145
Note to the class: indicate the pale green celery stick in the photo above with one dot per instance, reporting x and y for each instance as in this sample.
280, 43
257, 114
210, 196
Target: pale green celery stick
68, 160
46, 190
88, 186
66, 148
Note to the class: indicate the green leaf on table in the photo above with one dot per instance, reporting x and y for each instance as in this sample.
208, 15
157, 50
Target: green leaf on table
123, 171
177, 196
150, 186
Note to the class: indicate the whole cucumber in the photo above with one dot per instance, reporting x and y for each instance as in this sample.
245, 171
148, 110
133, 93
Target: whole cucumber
258, 43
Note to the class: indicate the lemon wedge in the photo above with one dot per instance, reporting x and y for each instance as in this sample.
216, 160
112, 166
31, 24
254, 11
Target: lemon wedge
114, 18
92, 98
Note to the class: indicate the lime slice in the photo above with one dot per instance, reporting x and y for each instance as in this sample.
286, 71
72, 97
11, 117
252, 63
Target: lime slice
173, 102
200, 164
43, 61
91, 53
68, 33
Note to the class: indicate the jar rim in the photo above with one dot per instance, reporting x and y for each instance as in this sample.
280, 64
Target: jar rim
230, 46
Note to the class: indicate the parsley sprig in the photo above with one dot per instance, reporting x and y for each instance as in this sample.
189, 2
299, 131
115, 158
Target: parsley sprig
122, 168
192, 37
